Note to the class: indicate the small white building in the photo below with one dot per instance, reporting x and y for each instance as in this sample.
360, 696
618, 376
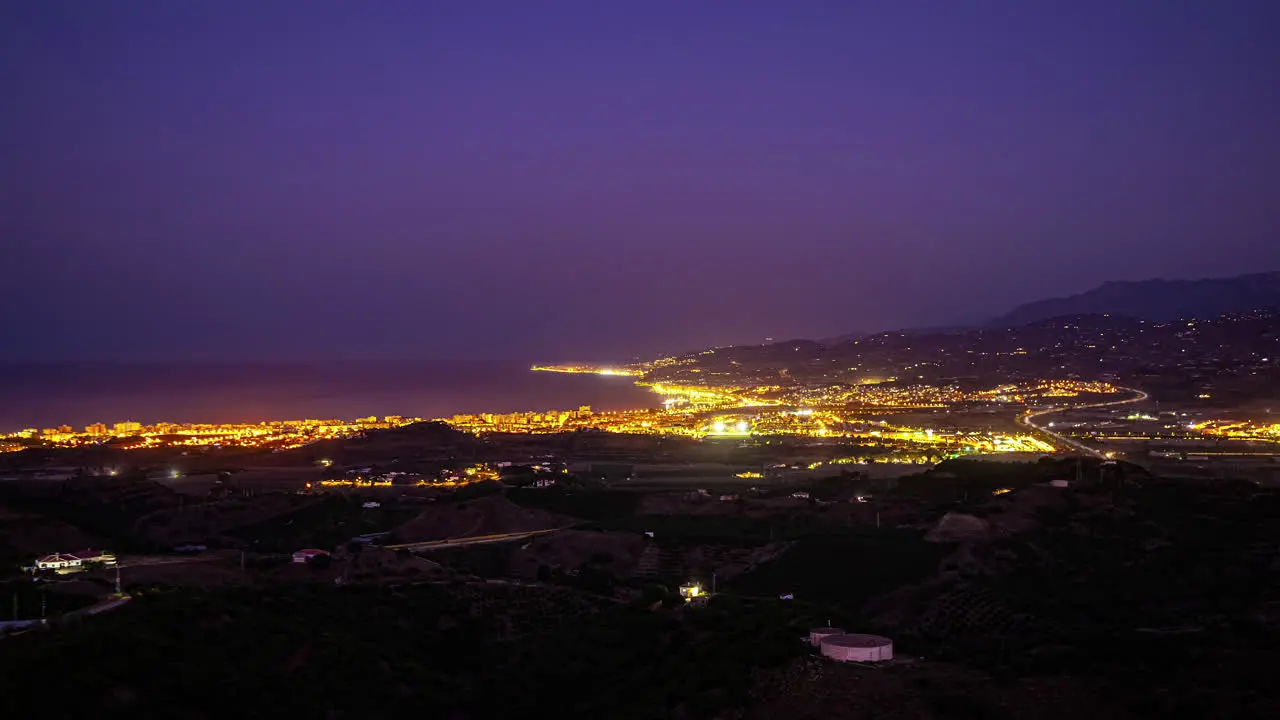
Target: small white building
58, 561
817, 634
308, 554
857, 648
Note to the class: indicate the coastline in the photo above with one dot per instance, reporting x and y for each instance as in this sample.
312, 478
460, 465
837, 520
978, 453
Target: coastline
50, 395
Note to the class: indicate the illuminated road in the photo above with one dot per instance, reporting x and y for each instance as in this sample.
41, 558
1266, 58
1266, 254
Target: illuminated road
1029, 418
473, 540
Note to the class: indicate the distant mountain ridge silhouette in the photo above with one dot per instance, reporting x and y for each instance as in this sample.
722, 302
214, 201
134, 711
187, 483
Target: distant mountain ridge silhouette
1156, 299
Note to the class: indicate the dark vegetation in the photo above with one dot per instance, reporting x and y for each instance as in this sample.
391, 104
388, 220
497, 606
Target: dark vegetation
25, 600
361, 652
715, 529
105, 507
969, 483
845, 569
1159, 598
588, 504
324, 524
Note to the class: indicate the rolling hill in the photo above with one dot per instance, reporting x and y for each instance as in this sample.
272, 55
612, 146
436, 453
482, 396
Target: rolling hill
1157, 300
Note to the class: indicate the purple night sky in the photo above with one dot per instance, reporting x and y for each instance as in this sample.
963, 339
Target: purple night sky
587, 180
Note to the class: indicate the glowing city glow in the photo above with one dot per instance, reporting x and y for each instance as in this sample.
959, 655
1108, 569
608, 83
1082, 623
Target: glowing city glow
837, 411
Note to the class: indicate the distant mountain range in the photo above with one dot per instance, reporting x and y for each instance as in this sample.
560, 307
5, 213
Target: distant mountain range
1232, 359
1157, 299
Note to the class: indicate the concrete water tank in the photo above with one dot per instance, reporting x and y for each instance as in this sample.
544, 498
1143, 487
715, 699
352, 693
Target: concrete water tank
857, 648
816, 634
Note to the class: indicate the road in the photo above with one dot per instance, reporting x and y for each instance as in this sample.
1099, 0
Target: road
1028, 418
150, 562
473, 540
110, 602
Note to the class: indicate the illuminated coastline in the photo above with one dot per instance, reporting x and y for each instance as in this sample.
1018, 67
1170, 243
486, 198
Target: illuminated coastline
589, 370
838, 411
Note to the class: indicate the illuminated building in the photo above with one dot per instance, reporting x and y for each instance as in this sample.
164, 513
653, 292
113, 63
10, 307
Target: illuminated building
691, 591
74, 561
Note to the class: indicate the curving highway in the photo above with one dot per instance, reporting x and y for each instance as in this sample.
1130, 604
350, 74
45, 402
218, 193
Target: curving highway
1029, 419
473, 540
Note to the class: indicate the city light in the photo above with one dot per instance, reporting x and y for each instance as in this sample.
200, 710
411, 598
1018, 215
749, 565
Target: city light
588, 370
131, 435
828, 412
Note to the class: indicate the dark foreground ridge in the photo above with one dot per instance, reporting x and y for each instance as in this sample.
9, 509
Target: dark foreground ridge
1006, 596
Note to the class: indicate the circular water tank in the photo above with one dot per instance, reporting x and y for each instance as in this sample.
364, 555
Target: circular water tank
816, 634
857, 648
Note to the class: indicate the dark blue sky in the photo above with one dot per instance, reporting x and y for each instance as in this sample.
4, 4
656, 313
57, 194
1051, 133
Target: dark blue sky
523, 179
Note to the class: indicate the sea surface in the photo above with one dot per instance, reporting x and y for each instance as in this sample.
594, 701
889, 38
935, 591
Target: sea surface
78, 394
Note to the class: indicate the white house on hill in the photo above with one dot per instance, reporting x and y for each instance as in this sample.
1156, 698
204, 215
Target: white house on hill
71, 562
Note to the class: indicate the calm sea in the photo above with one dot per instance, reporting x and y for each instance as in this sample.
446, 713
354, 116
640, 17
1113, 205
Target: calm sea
79, 394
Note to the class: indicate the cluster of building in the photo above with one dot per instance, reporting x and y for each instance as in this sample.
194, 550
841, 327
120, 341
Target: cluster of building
1026, 393
837, 411
367, 478
479, 472
1240, 430
887, 395
1174, 430
526, 422
362, 482
688, 421
589, 370
278, 434
891, 394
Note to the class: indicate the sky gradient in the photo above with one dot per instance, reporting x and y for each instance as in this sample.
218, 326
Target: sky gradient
590, 180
